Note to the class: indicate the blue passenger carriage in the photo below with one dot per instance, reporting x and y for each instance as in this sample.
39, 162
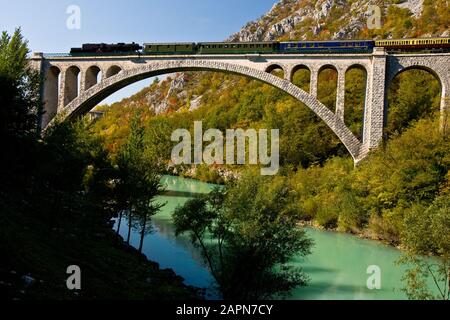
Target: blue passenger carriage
338, 46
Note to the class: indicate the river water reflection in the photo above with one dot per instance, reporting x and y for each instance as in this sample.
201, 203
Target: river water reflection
337, 266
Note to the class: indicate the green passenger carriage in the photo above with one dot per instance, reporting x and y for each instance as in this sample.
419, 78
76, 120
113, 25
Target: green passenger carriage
170, 48
237, 47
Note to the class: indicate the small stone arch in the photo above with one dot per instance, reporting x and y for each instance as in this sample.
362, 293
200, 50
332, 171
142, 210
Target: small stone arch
298, 68
356, 66
51, 92
71, 84
112, 71
276, 66
91, 76
330, 100
327, 66
354, 109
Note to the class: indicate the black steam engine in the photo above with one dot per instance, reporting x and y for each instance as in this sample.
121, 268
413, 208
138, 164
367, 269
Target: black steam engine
107, 48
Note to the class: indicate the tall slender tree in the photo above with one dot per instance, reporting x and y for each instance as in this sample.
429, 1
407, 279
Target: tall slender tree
140, 181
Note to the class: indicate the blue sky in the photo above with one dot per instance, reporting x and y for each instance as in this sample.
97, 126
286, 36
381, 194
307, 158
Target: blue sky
43, 22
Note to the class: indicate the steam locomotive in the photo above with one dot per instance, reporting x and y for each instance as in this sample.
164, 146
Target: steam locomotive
99, 48
275, 47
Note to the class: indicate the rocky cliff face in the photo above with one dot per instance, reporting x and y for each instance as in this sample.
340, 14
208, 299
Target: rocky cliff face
301, 20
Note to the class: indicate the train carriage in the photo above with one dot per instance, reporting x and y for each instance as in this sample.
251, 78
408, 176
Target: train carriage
341, 46
421, 44
267, 47
170, 48
237, 47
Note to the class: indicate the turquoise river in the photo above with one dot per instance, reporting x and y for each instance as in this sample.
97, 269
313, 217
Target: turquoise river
337, 266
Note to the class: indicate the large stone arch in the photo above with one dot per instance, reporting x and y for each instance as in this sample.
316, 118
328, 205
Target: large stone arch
438, 66
91, 97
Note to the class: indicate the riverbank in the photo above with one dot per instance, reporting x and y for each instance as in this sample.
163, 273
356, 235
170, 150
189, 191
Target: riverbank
35, 257
337, 265
219, 176
365, 234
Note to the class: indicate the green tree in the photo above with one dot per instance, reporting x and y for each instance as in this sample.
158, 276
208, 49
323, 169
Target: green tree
413, 95
19, 104
427, 232
247, 233
139, 181
19, 87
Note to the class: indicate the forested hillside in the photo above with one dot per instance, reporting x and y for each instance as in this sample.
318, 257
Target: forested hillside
57, 202
409, 173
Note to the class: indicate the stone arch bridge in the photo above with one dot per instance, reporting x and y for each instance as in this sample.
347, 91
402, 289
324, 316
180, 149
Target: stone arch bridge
72, 86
